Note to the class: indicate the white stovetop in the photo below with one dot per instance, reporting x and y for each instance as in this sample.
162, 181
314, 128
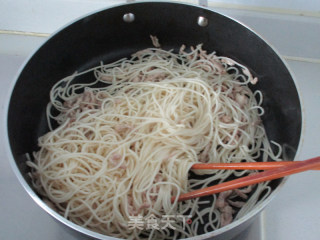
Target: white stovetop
294, 214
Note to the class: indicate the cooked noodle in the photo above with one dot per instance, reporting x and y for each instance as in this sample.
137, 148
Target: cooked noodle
126, 148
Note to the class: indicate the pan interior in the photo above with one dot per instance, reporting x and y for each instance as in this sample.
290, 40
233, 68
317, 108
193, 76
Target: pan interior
104, 36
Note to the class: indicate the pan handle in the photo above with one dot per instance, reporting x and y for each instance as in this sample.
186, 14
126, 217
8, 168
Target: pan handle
203, 3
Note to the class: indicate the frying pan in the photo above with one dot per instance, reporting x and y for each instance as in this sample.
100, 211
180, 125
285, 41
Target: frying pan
117, 32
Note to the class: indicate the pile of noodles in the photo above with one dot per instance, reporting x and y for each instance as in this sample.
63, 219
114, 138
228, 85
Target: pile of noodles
124, 149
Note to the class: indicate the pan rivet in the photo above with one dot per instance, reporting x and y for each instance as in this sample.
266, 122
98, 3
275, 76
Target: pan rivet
128, 17
202, 21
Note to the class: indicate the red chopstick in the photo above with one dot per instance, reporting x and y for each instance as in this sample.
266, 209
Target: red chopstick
245, 165
253, 179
